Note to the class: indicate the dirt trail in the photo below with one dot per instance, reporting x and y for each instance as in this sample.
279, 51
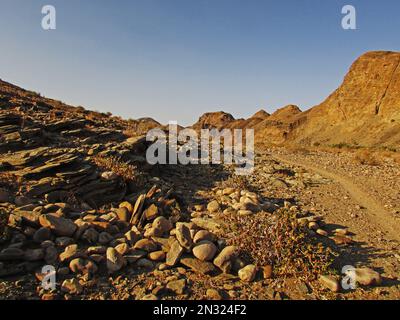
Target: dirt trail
377, 214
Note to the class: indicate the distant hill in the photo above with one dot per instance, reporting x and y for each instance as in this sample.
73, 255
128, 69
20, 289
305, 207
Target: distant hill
364, 110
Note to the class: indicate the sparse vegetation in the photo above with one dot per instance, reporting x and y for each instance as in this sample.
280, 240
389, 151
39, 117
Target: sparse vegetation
367, 157
280, 241
345, 145
126, 171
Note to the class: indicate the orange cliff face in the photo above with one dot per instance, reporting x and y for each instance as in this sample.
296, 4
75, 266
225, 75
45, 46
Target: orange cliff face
364, 110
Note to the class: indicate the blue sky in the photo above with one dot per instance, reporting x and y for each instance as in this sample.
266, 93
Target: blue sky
176, 59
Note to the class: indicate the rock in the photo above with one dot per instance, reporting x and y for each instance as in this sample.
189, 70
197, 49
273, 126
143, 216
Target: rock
11, 254
122, 248
50, 255
204, 235
4, 195
115, 261
64, 242
224, 259
90, 235
228, 191
126, 205
132, 236
342, 240
70, 252
157, 256
159, 291
146, 245
322, 232
71, 286
199, 207
183, 236
244, 213
248, 273
60, 226
150, 297
174, 254
267, 272
177, 286
203, 267
124, 214
330, 282
313, 226
162, 224
214, 294
152, 232
21, 201
34, 255
49, 297
367, 277
134, 255
151, 212
340, 232
83, 266
213, 206
145, 264
109, 175
205, 250
96, 250
105, 238
30, 218
208, 224
137, 209
42, 234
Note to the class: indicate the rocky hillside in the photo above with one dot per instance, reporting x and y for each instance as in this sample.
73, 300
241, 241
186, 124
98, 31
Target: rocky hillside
269, 128
364, 110
56, 149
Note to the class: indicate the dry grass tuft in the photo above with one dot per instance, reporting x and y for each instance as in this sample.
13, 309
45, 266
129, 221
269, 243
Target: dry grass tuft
126, 171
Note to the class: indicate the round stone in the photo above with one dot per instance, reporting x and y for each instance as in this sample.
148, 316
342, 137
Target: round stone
205, 250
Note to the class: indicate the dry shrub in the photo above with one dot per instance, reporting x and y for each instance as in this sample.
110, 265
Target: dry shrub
3, 223
124, 170
366, 157
280, 241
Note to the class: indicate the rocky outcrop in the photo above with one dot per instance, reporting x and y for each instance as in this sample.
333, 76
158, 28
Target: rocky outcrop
364, 110
212, 120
